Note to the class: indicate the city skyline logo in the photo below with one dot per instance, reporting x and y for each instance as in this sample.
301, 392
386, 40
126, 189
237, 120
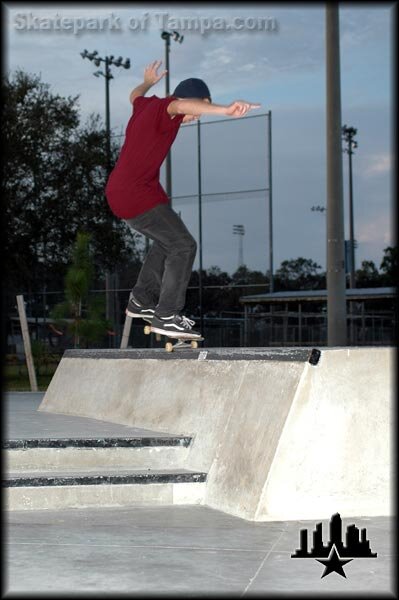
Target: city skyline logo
335, 554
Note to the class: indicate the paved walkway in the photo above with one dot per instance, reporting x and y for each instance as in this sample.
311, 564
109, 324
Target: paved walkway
183, 549
24, 421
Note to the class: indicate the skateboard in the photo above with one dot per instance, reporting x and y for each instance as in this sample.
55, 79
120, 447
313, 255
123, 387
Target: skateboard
180, 344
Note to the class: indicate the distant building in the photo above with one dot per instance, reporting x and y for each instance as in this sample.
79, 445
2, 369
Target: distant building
300, 317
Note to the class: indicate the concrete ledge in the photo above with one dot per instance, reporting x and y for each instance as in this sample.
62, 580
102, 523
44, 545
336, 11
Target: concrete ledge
285, 354
336, 448
281, 438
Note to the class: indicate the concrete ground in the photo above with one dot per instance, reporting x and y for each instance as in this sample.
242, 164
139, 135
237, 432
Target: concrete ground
188, 550
172, 550
23, 421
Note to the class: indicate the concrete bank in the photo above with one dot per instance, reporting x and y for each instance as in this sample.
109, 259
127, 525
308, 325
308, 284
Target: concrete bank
280, 438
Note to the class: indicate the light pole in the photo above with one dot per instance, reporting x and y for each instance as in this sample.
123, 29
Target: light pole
323, 209
108, 60
271, 284
240, 231
166, 35
336, 280
348, 133
110, 278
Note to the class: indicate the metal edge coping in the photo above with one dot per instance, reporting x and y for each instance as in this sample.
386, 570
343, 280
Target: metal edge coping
311, 355
133, 442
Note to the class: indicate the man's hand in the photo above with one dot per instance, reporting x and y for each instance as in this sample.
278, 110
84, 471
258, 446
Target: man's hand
239, 108
196, 107
151, 76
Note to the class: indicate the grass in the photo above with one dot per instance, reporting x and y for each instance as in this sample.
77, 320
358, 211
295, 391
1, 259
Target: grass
16, 378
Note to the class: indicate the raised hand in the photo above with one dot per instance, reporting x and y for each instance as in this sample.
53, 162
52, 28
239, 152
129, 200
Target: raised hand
151, 76
239, 108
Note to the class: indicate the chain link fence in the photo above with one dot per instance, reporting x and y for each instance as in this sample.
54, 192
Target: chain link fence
222, 188
222, 178
366, 326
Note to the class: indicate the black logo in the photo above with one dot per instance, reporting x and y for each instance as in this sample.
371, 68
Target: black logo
332, 554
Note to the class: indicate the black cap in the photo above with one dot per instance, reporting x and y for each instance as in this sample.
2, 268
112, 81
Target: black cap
192, 88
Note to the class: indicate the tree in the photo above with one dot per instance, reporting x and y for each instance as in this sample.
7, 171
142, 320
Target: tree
389, 266
80, 314
299, 274
215, 276
35, 124
243, 275
368, 275
214, 299
53, 186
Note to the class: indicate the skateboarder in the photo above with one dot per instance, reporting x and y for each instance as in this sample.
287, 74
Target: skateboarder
135, 194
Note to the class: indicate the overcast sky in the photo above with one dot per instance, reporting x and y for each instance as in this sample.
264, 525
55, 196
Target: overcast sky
283, 68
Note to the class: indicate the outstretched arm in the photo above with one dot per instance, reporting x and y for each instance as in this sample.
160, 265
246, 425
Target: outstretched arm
151, 77
196, 108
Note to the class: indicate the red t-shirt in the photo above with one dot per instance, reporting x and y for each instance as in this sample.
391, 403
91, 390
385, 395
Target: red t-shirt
133, 185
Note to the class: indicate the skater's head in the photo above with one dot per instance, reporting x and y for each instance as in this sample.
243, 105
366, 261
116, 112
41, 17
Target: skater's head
193, 88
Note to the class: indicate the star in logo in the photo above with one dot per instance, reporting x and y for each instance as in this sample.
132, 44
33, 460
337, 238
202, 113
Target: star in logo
333, 563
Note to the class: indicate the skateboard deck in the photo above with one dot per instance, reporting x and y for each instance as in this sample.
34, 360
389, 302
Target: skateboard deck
180, 343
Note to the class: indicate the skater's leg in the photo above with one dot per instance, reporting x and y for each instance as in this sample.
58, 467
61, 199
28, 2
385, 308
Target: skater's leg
180, 248
148, 284
176, 247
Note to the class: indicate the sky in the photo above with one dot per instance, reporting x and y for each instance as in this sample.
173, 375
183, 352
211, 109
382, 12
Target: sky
282, 66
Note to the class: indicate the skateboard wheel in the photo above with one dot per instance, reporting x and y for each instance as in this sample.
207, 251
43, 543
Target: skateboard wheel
194, 344
147, 329
169, 347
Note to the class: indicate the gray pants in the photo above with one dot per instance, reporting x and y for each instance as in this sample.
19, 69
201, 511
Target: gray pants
165, 274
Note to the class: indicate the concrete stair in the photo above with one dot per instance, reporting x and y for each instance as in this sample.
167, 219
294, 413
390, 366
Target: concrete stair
82, 472
34, 454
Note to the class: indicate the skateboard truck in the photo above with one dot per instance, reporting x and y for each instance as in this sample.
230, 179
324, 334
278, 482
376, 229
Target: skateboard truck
180, 344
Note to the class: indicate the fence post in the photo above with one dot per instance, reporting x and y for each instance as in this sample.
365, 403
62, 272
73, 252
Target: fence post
300, 323
200, 226
271, 283
126, 332
27, 346
245, 325
363, 335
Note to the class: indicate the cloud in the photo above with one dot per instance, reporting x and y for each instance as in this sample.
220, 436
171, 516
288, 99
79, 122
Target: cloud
378, 164
285, 71
216, 58
362, 26
373, 230
247, 67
